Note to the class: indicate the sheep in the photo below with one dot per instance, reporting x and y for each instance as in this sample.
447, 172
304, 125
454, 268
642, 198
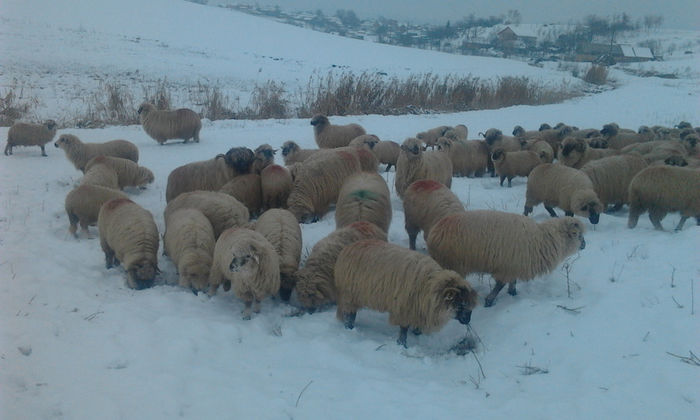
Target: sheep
524, 135
495, 139
542, 148
210, 174
276, 185
83, 205
245, 260
364, 196
424, 203
329, 136
25, 134
669, 148
80, 153
554, 136
366, 140
576, 153
318, 181
663, 189
264, 156
292, 153
611, 177
508, 246
693, 163
248, 190
387, 152
101, 175
315, 282
163, 125
129, 235
282, 230
565, 187
222, 210
430, 137
412, 287
458, 132
189, 242
414, 164
512, 164
128, 172
469, 157
618, 138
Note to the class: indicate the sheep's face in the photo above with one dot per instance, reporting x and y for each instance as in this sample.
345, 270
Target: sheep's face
412, 148
609, 130
289, 147
492, 135
585, 203
564, 131
518, 131
64, 141
240, 159
141, 275
684, 124
312, 292
573, 145
574, 230
498, 155
50, 124
544, 126
598, 143
676, 160
444, 144
144, 109
319, 120
245, 260
458, 298
691, 143
196, 275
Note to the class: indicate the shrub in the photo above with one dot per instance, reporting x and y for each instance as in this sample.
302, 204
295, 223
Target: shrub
14, 106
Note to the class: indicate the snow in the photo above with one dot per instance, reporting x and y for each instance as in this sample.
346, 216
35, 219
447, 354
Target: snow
76, 343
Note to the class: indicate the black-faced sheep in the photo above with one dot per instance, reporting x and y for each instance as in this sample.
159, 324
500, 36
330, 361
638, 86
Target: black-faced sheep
618, 138
415, 164
508, 246
458, 132
129, 235
129, 173
568, 188
292, 153
511, 164
189, 242
412, 287
663, 189
164, 125
245, 260
80, 153
83, 205
542, 148
387, 152
315, 282
264, 156
210, 174
330, 136
576, 152
554, 136
611, 177
364, 196
430, 137
276, 185
222, 210
282, 230
367, 141
424, 203
102, 175
248, 190
25, 134
495, 139
469, 157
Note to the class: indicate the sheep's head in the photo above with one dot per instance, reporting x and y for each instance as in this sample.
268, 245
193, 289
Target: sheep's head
498, 155
319, 120
683, 124
412, 147
610, 130
195, 273
453, 295
544, 126
518, 131
573, 229
564, 131
492, 135
676, 160
289, 147
141, 274
313, 291
444, 144
586, 203
691, 143
245, 259
66, 140
145, 108
570, 145
597, 143
50, 124
240, 159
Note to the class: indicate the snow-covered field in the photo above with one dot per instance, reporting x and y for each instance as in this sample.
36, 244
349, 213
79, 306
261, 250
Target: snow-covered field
76, 343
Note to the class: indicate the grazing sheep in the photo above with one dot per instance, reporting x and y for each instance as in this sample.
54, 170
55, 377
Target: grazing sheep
387, 152
248, 190
469, 157
189, 242
102, 175
276, 185
430, 137
618, 138
424, 203
414, 164
366, 140
364, 196
25, 134
292, 153
568, 188
83, 205
458, 132
329, 136
512, 164
412, 287
164, 125
508, 246
663, 189
210, 174
80, 153
282, 230
264, 156
611, 177
129, 174
222, 210
129, 235
245, 260
576, 153
315, 282
318, 181
542, 148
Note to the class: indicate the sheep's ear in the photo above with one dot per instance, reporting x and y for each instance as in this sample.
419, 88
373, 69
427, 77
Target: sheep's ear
449, 294
404, 148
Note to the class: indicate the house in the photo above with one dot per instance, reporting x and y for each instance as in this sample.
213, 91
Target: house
517, 36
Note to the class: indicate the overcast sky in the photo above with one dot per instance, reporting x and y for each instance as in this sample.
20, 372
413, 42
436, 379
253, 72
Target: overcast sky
684, 14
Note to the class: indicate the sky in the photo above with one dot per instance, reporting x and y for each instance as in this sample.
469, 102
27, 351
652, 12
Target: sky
681, 14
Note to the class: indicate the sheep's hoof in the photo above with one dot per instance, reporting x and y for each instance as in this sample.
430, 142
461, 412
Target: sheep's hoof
349, 320
488, 302
511, 289
402, 337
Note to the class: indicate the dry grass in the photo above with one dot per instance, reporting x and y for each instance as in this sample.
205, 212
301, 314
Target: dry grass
15, 106
597, 75
215, 105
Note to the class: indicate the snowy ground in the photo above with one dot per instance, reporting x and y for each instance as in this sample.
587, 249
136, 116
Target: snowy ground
76, 343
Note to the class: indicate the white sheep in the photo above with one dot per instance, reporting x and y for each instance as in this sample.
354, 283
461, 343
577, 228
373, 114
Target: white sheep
458, 132
189, 242
364, 196
129, 173
102, 175
276, 184
264, 156
329, 136
611, 177
430, 137
508, 246
387, 152
80, 153
292, 153
163, 125
83, 204
247, 189
575, 152
25, 134
414, 164
222, 210
469, 157
511, 164
424, 203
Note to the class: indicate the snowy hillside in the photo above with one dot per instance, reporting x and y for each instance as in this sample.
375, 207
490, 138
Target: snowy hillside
76, 343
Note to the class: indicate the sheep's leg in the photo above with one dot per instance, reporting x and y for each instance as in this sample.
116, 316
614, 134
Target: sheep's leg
388, 166
412, 234
633, 217
569, 213
509, 179
402, 337
503, 178
655, 215
494, 292
256, 306
416, 331
109, 258
681, 223
8, 149
43, 152
528, 210
551, 211
511, 288
247, 310
349, 320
